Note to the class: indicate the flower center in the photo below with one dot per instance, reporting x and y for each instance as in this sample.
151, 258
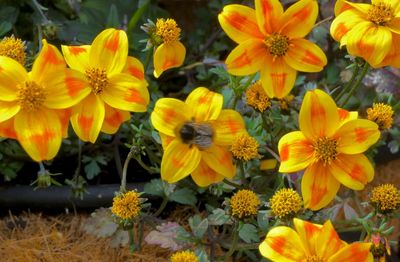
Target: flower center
199, 134
381, 114
14, 48
326, 149
277, 44
31, 96
380, 13
313, 258
167, 30
97, 78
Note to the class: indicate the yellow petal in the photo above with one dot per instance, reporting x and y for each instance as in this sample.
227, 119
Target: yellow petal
282, 244
219, 159
318, 115
39, 133
343, 23
165, 140
134, 67
113, 119
109, 51
355, 252
305, 56
204, 176
318, 186
296, 152
64, 116
239, 23
356, 136
168, 56
206, 104
394, 25
7, 129
77, 57
299, 18
48, 60
345, 116
169, 114
127, 93
268, 14
8, 110
342, 6
268, 164
228, 125
179, 160
247, 58
12, 74
65, 88
328, 241
353, 171
370, 42
308, 233
393, 57
277, 77
87, 118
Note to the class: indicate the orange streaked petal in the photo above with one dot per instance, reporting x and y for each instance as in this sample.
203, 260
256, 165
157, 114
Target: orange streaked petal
318, 186
353, 171
277, 77
87, 118
206, 104
168, 56
354, 252
268, 14
204, 176
239, 23
305, 56
328, 241
394, 25
165, 140
219, 159
127, 93
12, 74
283, 244
343, 23
318, 115
109, 50
356, 136
169, 114
308, 233
7, 129
370, 42
77, 57
48, 60
296, 152
8, 110
179, 160
39, 133
113, 119
299, 18
247, 58
134, 67
346, 116
65, 88
227, 126
393, 57
64, 115
342, 6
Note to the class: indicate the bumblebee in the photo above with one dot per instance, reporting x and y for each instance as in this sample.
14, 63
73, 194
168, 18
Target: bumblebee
199, 134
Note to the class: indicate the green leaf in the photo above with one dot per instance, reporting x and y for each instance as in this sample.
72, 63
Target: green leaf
201, 254
198, 226
113, 18
5, 27
262, 220
92, 169
218, 217
184, 196
248, 233
9, 14
154, 187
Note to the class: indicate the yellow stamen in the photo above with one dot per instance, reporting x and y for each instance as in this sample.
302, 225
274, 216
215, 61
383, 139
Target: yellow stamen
13, 48
313, 258
244, 203
127, 205
257, 98
31, 96
277, 44
326, 149
286, 203
380, 13
167, 30
97, 78
381, 114
245, 147
386, 198
184, 256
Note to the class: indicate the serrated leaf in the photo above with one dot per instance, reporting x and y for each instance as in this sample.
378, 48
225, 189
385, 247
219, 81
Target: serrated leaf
92, 169
154, 187
218, 217
248, 233
199, 226
184, 196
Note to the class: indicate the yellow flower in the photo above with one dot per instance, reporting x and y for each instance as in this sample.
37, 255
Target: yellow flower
13, 48
184, 256
245, 147
126, 205
329, 146
370, 31
113, 84
32, 104
382, 114
268, 164
386, 198
272, 41
170, 52
257, 98
311, 243
244, 203
196, 135
285, 203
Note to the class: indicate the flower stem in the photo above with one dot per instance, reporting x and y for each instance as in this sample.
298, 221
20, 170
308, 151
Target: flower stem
349, 83
125, 170
132, 246
148, 57
357, 84
162, 206
235, 239
232, 184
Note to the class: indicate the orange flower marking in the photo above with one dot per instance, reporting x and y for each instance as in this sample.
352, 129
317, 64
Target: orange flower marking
242, 60
284, 153
74, 86
112, 44
86, 123
134, 96
278, 81
239, 22
341, 30
42, 141
76, 50
310, 58
114, 119
50, 56
226, 158
136, 72
168, 63
357, 173
169, 114
234, 126
303, 13
177, 163
361, 134
343, 114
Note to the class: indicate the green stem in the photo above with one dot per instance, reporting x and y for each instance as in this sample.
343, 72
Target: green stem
355, 87
124, 171
232, 184
78, 168
42, 168
148, 57
142, 164
162, 206
235, 239
349, 83
132, 245
242, 172
272, 152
